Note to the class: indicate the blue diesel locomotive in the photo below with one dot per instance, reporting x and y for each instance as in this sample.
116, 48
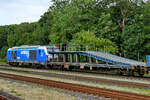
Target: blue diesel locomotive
31, 55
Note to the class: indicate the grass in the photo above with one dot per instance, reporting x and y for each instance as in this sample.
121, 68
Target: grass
18, 94
147, 75
127, 89
3, 62
13, 91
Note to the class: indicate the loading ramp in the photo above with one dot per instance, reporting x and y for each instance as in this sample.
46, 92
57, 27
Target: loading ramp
112, 59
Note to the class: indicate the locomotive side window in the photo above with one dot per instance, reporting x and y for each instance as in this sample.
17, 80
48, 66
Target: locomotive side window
33, 54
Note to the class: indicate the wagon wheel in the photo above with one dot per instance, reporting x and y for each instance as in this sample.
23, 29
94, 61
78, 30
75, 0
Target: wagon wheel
131, 73
141, 74
119, 72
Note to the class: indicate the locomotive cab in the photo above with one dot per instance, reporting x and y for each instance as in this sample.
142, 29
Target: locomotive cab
52, 49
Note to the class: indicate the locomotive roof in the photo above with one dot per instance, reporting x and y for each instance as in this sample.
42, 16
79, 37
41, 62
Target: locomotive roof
31, 46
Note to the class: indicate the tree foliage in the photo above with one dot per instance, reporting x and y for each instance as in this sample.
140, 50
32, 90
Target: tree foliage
87, 38
3, 53
123, 26
146, 26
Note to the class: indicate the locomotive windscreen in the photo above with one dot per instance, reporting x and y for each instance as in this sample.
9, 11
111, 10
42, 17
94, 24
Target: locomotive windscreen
52, 49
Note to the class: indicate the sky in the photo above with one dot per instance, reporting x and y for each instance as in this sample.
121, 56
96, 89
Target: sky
18, 11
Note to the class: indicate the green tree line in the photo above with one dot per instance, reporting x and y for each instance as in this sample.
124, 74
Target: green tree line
120, 27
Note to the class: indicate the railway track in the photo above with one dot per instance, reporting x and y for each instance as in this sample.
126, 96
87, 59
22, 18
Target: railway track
6, 96
3, 98
79, 88
80, 78
99, 73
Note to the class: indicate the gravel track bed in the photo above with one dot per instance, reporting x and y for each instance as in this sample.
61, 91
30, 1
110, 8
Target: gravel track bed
64, 93
80, 78
91, 75
86, 75
9, 96
127, 89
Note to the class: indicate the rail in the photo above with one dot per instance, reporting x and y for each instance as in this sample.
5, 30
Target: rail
79, 88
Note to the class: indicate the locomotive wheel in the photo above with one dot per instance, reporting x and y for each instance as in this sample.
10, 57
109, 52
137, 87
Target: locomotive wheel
119, 72
140, 72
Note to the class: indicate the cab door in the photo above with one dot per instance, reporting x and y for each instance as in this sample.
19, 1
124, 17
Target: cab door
33, 54
14, 55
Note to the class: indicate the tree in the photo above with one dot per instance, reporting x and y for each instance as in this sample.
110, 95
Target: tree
3, 36
3, 53
73, 17
16, 33
87, 38
133, 38
106, 28
146, 27
124, 9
